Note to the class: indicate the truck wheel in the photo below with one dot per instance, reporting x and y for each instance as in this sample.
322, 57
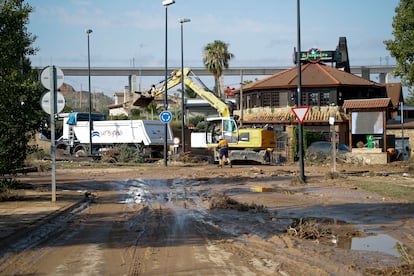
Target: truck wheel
80, 151
61, 146
62, 150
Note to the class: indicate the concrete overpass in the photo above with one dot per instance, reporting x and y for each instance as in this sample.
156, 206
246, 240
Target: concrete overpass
364, 71
383, 72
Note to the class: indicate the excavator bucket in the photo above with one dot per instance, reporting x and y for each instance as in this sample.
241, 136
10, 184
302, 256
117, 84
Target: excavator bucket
143, 101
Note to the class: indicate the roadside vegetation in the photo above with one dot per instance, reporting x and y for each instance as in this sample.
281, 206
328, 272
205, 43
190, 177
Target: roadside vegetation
8, 188
388, 186
20, 111
386, 189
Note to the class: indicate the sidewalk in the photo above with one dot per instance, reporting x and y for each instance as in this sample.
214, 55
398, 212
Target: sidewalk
31, 210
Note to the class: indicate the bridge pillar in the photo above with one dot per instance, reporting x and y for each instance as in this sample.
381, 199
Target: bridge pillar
388, 77
385, 77
132, 84
365, 72
382, 77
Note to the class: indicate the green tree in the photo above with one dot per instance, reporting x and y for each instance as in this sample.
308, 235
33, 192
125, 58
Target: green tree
20, 110
402, 46
152, 109
216, 58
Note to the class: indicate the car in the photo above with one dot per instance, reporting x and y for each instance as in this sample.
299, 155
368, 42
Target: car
323, 150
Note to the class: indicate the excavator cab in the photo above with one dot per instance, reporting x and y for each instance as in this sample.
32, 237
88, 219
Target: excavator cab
221, 128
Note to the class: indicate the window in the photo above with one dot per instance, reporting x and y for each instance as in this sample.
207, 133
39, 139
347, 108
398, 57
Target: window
230, 130
313, 99
325, 98
283, 99
367, 122
316, 97
270, 98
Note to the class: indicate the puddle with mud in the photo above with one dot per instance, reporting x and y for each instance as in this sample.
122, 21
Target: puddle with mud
377, 243
341, 235
176, 193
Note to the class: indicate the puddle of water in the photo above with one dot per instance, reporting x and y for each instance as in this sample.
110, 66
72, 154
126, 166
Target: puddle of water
379, 243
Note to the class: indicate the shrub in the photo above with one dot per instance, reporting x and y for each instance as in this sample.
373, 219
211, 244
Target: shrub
8, 184
130, 154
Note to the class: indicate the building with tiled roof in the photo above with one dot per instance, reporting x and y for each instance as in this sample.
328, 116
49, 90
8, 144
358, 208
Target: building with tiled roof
327, 91
322, 85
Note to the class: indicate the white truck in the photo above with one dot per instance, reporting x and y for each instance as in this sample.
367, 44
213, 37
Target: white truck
146, 135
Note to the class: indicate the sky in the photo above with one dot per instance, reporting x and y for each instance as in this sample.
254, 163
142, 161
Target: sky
262, 33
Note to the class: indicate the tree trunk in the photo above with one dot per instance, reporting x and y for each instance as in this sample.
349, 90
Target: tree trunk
219, 86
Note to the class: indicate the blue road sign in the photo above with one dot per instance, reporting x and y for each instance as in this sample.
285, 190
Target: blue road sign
165, 116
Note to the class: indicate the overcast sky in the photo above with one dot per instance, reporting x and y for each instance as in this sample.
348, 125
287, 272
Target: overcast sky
260, 33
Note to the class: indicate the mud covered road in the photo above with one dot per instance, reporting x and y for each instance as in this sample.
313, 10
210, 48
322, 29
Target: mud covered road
200, 220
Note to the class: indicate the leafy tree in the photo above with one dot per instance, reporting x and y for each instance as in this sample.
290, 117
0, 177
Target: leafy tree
402, 47
216, 58
152, 109
135, 113
20, 90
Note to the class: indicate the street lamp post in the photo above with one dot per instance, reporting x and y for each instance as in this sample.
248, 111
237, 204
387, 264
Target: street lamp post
182, 21
166, 3
299, 101
88, 32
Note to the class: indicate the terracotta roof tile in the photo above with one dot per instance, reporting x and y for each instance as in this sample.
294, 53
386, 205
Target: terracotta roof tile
313, 75
367, 103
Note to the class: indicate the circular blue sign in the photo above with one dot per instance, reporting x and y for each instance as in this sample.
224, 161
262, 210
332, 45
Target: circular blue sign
165, 117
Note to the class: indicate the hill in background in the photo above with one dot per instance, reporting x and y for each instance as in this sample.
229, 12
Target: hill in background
78, 101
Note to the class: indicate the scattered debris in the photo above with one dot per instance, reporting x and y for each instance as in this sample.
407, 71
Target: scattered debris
407, 254
404, 269
222, 201
90, 197
256, 170
333, 175
309, 229
261, 189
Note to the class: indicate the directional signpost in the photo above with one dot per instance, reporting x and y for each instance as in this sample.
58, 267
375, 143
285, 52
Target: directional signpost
47, 105
52, 102
46, 77
165, 117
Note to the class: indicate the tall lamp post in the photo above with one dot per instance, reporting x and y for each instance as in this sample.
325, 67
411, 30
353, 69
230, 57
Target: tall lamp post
301, 161
182, 21
88, 32
166, 3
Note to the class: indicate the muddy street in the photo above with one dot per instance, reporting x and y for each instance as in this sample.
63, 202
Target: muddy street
190, 221
132, 227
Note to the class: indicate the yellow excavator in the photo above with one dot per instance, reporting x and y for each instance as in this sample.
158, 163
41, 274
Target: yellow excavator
247, 144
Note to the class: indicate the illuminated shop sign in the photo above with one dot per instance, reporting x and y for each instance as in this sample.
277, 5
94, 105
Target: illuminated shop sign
315, 55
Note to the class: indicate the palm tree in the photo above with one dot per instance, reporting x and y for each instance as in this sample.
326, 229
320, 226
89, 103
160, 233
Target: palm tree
216, 58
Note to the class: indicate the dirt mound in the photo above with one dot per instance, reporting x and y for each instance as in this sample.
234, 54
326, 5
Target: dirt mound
224, 202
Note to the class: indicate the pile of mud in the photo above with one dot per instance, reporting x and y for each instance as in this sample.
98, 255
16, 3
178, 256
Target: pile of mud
224, 202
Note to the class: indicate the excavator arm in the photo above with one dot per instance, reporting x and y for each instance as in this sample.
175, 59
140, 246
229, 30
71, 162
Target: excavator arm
212, 99
173, 80
176, 79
